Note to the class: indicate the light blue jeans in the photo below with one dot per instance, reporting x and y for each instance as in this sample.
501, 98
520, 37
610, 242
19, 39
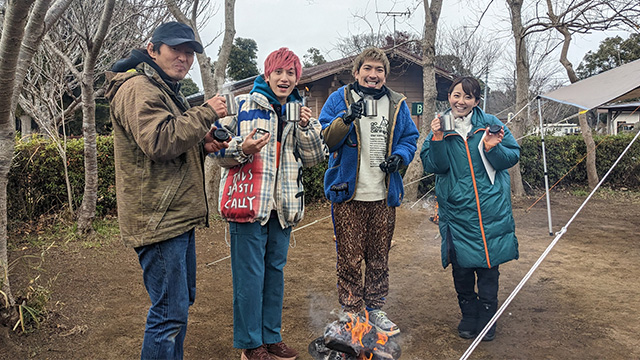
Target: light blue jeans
169, 272
258, 257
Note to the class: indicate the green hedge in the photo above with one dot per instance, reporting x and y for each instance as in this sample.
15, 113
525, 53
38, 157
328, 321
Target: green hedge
313, 181
564, 152
36, 180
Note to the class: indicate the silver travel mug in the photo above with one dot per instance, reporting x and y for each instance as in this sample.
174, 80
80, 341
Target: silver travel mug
370, 107
293, 111
232, 107
447, 123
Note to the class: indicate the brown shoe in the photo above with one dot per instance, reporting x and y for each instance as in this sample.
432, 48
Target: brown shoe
280, 351
259, 353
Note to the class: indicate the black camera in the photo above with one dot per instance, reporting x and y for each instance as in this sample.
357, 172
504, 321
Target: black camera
495, 128
221, 135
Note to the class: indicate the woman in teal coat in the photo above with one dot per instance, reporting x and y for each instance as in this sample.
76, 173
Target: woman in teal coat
474, 198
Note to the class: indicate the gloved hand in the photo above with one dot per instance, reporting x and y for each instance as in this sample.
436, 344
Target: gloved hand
355, 111
391, 164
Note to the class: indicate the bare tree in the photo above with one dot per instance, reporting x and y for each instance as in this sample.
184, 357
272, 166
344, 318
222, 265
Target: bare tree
46, 85
15, 19
522, 85
43, 18
355, 44
22, 28
476, 55
568, 17
211, 80
430, 92
87, 43
93, 43
225, 49
572, 17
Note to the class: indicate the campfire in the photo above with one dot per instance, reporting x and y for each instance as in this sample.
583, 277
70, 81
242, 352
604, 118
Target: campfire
353, 338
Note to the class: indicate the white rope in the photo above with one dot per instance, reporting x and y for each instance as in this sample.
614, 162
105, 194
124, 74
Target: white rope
414, 204
294, 240
540, 259
225, 235
516, 114
312, 223
292, 231
217, 261
415, 181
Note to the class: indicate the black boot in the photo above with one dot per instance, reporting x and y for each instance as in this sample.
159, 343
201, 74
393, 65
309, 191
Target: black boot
485, 313
467, 329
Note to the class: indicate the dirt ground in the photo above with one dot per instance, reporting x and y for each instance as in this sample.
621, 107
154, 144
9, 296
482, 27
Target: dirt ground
582, 303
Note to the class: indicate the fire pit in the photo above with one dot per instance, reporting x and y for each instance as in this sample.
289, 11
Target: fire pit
353, 338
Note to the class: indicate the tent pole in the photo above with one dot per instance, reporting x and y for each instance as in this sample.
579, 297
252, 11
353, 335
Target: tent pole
544, 162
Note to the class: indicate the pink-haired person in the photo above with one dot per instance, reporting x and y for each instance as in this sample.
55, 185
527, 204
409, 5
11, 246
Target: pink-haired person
261, 196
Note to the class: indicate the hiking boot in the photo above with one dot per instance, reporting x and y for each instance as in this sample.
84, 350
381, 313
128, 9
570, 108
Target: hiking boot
280, 351
467, 329
259, 353
379, 320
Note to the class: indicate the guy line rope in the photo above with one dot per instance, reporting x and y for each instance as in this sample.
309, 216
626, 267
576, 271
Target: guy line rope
559, 234
314, 222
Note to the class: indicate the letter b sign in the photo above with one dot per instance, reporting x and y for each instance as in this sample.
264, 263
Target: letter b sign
416, 108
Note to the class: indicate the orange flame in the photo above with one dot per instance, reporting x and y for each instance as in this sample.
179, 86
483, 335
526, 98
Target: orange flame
382, 339
359, 329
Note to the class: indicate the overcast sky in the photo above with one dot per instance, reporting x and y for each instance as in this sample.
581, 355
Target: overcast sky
302, 24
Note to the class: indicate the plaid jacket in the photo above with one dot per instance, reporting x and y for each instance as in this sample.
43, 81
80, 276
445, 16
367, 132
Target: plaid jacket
280, 188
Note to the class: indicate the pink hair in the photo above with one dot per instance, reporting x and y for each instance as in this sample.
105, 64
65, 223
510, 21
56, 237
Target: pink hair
282, 58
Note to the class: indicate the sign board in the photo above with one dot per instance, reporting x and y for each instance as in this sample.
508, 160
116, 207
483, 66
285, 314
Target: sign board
416, 108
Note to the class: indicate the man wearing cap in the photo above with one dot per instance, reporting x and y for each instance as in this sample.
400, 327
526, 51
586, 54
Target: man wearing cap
159, 147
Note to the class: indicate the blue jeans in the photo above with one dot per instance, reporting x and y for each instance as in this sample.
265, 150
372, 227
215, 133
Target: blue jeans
169, 272
258, 256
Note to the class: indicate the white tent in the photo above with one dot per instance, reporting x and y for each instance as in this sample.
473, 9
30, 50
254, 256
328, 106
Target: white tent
617, 84
614, 85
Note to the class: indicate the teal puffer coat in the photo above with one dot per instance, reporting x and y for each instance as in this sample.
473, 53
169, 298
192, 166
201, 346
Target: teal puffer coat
476, 220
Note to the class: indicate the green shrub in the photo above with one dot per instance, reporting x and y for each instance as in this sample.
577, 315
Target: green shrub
36, 179
313, 181
564, 152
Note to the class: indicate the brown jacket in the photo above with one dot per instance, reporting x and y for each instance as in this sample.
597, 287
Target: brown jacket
158, 157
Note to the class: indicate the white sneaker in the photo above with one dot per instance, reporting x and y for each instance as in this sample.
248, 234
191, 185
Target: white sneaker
379, 320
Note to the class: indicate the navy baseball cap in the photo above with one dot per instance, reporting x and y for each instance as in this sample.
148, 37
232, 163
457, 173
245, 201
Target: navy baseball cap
174, 33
